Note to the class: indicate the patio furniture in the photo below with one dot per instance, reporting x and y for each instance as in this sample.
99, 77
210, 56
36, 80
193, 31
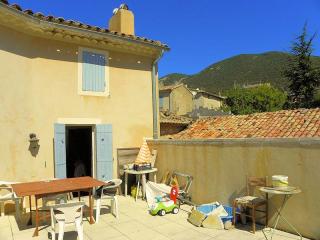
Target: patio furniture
286, 192
143, 179
126, 158
183, 194
252, 203
106, 194
44, 188
7, 194
64, 215
49, 201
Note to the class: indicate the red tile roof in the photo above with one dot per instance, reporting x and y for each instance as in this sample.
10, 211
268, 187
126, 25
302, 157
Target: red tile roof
80, 25
282, 124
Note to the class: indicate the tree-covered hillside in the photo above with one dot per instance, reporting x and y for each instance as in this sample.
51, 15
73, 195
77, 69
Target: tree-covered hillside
244, 69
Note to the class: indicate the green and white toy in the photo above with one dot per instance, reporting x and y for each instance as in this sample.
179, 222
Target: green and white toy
163, 207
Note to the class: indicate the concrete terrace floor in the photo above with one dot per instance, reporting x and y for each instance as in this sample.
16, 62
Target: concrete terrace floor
135, 223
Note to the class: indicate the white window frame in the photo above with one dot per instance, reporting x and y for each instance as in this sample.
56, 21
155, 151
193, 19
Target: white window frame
106, 91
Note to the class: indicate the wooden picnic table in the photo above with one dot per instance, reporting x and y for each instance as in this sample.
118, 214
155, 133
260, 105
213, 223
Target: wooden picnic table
51, 187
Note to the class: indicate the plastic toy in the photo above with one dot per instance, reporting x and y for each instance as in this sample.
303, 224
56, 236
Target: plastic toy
163, 207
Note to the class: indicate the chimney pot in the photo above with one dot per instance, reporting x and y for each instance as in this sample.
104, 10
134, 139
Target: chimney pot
122, 20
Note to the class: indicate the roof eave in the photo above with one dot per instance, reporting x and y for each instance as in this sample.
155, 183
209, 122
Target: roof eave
88, 32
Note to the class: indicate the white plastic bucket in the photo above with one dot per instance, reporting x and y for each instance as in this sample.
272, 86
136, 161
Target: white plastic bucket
279, 181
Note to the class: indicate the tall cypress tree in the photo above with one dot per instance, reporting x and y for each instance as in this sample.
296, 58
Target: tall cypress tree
303, 77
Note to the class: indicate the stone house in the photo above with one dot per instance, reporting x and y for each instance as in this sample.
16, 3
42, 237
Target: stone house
176, 99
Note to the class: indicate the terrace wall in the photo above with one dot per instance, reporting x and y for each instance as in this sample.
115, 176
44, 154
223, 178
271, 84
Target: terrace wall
219, 168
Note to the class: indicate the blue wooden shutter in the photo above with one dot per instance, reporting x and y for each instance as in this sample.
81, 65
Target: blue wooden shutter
104, 152
93, 72
60, 151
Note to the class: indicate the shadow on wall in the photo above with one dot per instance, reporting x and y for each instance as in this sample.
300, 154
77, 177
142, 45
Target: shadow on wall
35, 47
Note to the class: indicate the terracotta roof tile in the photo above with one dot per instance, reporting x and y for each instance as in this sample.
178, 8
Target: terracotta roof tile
80, 25
281, 124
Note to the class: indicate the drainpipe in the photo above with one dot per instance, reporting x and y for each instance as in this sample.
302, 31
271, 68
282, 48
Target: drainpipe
154, 96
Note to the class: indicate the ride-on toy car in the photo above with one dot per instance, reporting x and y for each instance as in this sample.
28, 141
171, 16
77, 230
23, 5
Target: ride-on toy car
161, 208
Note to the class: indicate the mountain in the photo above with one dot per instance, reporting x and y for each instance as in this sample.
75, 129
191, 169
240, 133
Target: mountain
173, 78
240, 70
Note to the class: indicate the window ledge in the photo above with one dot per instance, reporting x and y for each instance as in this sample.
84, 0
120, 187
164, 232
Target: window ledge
94, 94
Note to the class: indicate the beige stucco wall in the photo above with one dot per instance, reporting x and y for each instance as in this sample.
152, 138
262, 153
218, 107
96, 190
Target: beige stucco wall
39, 85
165, 96
220, 167
180, 100
211, 103
204, 102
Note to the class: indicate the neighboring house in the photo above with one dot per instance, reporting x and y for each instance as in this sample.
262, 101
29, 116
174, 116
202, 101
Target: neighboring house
206, 100
71, 94
176, 99
172, 124
299, 123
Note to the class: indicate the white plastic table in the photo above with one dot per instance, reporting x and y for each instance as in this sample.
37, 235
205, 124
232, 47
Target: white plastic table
286, 193
143, 181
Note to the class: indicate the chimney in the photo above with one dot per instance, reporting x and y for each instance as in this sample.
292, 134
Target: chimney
122, 20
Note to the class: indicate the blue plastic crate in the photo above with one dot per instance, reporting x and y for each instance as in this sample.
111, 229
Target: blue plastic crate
229, 210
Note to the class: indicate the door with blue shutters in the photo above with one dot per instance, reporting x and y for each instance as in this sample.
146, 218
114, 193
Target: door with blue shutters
60, 170
104, 159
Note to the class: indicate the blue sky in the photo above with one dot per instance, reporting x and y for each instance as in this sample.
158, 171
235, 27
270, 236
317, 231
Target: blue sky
201, 32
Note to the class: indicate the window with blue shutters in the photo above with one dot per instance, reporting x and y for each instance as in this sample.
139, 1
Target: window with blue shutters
93, 72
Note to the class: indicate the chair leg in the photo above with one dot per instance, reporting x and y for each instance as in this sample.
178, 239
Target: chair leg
61, 230
137, 191
53, 235
79, 227
98, 206
17, 206
267, 214
53, 231
234, 213
115, 204
253, 216
2, 208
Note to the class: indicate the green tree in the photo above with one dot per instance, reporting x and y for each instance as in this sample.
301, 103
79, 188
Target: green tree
301, 73
264, 98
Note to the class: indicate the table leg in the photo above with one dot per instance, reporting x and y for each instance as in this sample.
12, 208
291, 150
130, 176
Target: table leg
143, 184
30, 207
125, 184
36, 231
277, 219
155, 177
91, 207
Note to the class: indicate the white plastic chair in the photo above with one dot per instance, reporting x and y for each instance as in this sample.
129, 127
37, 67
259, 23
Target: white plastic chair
111, 196
64, 215
52, 200
7, 194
